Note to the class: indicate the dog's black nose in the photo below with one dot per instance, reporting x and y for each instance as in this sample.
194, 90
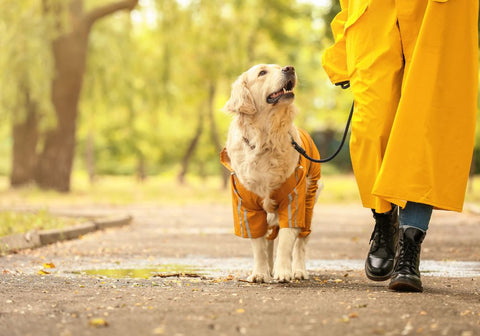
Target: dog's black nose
288, 69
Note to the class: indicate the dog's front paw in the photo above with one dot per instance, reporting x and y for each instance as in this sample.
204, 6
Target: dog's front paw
259, 277
299, 270
282, 274
300, 274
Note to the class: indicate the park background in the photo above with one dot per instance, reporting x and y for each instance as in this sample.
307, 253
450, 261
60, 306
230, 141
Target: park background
114, 102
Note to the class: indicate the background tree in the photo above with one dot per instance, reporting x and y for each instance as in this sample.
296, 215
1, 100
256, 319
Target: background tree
51, 168
147, 100
26, 65
54, 164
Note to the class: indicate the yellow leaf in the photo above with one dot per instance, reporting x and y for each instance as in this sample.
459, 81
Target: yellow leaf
48, 265
42, 272
240, 310
97, 322
159, 331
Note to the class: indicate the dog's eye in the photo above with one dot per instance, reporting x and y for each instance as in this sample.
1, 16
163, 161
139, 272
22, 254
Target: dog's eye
262, 73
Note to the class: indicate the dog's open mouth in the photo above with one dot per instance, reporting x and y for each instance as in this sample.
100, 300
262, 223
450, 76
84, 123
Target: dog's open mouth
286, 91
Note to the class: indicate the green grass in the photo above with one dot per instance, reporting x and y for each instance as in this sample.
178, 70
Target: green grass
165, 190
159, 190
119, 190
16, 222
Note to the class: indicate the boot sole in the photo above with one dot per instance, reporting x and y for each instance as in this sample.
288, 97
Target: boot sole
405, 286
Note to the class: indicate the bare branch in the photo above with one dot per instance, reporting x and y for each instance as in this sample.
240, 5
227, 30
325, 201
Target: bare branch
100, 12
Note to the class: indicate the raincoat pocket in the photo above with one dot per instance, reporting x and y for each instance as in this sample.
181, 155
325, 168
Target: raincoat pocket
355, 11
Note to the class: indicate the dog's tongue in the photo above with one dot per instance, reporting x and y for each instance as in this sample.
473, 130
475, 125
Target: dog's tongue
276, 94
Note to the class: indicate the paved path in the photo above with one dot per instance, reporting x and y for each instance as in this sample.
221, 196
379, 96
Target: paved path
113, 282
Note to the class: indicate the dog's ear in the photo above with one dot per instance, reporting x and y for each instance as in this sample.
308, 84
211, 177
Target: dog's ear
241, 100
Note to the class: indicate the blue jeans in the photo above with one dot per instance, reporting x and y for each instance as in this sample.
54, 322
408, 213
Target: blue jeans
415, 215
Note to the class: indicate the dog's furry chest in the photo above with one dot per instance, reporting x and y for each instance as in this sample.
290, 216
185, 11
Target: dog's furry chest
264, 170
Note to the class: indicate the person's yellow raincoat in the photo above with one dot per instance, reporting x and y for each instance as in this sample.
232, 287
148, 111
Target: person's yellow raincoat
413, 69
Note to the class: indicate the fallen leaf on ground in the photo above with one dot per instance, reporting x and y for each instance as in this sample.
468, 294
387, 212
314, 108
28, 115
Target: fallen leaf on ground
48, 265
42, 272
97, 322
159, 331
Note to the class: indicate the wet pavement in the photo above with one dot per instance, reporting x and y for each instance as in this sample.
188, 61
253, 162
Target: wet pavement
172, 261
223, 267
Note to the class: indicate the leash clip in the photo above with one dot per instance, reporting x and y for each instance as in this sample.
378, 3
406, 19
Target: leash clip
344, 85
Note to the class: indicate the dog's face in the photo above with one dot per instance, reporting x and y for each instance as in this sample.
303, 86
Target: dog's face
261, 88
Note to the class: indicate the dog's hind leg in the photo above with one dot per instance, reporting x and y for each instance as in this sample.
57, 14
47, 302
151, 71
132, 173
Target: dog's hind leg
299, 251
261, 272
283, 262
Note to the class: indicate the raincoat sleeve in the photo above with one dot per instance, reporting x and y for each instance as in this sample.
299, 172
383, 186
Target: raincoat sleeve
334, 59
313, 171
314, 175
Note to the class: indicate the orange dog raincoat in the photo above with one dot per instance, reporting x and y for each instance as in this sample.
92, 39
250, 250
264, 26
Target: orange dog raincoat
295, 202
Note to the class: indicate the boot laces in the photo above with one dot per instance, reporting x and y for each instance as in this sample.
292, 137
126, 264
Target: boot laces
408, 254
383, 234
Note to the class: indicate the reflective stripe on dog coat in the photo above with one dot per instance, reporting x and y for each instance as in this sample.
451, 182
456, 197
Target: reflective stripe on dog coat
295, 202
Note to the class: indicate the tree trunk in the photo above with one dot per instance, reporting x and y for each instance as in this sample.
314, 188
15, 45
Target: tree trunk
214, 131
55, 162
141, 167
25, 137
70, 51
191, 148
90, 156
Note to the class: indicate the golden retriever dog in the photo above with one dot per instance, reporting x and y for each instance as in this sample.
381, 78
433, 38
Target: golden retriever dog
273, 187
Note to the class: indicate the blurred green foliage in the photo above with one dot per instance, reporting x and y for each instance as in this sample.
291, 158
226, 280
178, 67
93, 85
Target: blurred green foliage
150, 73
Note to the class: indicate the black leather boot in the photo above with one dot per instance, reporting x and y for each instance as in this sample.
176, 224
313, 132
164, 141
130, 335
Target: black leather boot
406, 276
381, 257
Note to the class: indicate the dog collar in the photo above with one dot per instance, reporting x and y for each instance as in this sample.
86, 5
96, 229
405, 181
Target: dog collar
252, 147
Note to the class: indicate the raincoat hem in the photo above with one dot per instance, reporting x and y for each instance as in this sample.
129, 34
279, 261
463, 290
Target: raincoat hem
436, 205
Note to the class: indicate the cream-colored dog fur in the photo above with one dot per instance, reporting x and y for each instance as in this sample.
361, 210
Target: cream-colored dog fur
261, 154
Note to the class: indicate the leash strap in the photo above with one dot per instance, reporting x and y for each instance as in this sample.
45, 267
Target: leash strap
302, 152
